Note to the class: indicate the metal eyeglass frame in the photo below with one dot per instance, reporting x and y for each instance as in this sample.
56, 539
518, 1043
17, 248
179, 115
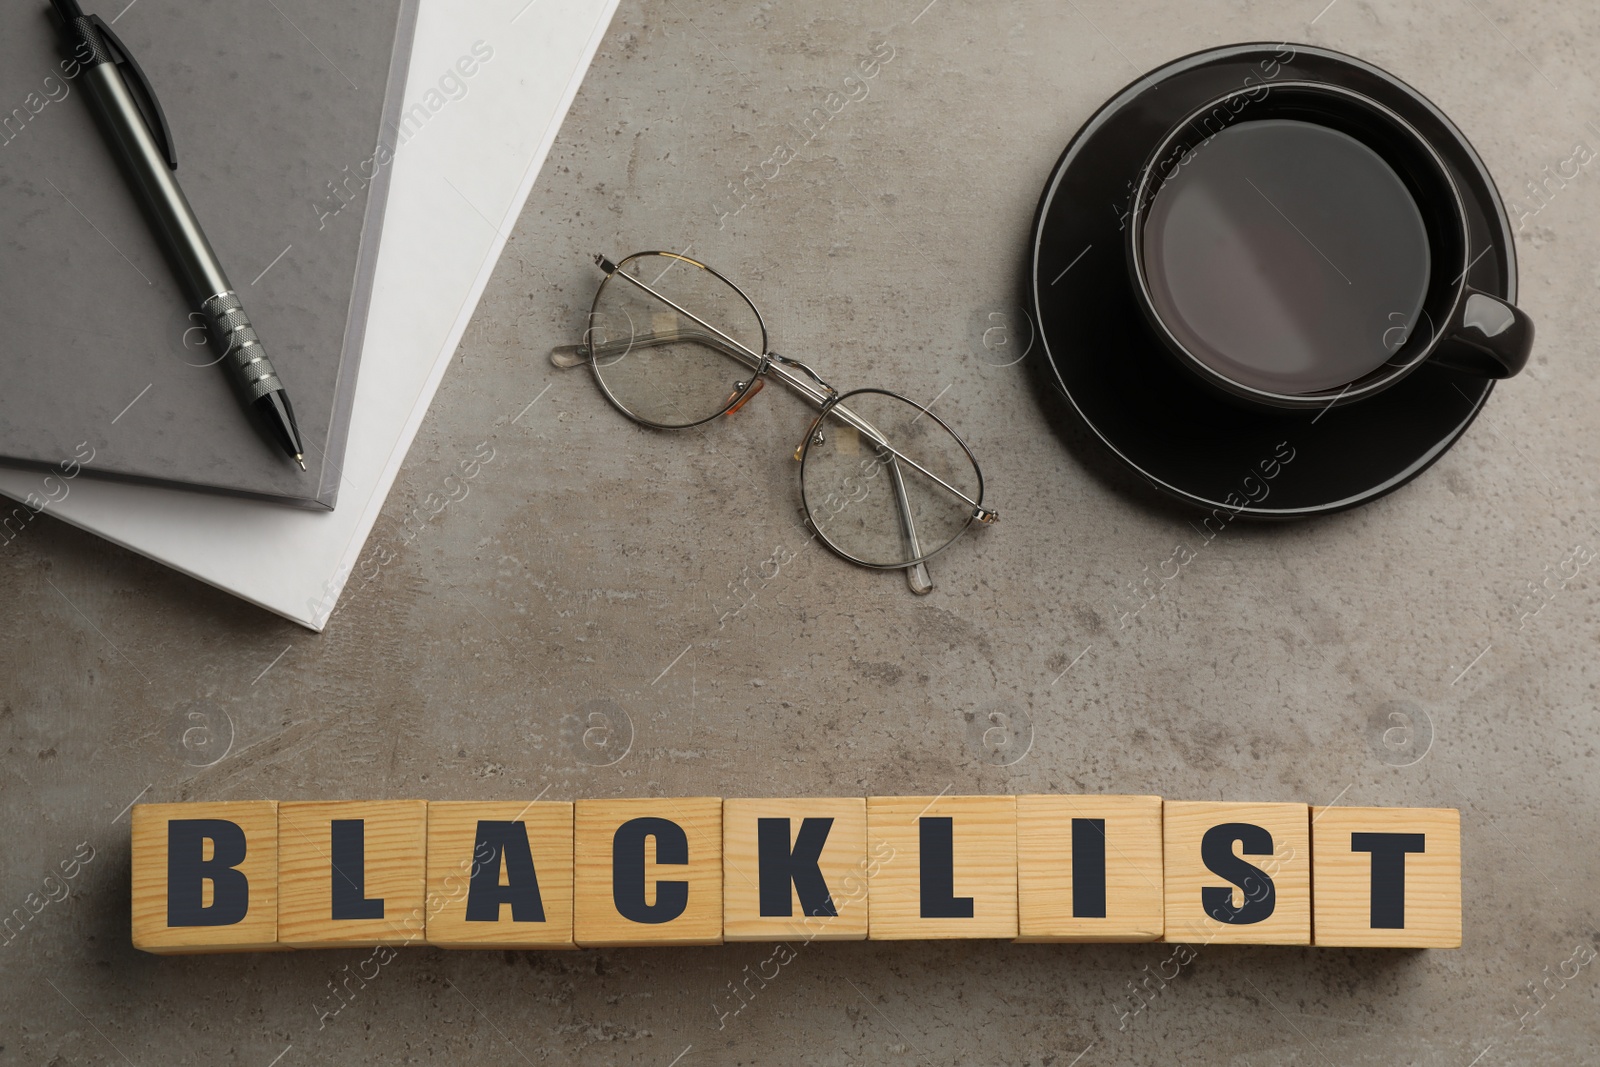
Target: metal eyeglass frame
802, 380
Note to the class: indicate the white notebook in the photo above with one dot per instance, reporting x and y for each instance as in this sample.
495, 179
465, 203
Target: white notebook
459, 183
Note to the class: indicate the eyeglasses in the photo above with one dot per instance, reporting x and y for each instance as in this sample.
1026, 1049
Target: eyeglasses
885, 483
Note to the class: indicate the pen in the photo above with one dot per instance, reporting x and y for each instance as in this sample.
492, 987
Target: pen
142, 143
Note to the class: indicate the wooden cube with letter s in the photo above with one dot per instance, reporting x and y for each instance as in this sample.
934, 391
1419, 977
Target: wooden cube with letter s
1237, 873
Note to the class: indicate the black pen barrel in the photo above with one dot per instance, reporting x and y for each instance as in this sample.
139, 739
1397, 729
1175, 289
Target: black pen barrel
68, 10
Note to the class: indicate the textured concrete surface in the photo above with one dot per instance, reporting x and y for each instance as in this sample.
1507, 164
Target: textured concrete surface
1401, 654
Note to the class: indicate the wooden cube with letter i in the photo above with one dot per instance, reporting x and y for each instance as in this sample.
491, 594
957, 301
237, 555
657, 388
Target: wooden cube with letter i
1386, 877
794, 869
1089, 868
500, 874
205, 877
352, 872
1237, 873
648, 871
942, 867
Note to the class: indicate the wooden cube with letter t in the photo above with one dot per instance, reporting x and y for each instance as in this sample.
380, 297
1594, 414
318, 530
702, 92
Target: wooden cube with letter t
648, 871
500, 874
1237, 873
205, 877
352, 872
1386, 877
944, 867
1089, 868
794, 869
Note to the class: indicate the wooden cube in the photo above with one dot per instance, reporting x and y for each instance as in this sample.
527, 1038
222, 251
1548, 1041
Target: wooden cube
648, 871
205, 877
1386, 877
1237, 873
1089, 868
352, 872
794, 869
500, 874
941, 867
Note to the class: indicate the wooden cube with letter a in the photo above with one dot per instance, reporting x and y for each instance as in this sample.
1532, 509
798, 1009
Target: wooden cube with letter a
794, 869
205, 877
500, 874
648, 871
1089, 868
1237, 873
352, 872
942, 867
1386, 877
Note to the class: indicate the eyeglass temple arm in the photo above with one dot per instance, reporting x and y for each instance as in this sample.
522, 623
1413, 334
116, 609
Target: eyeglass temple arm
917, 576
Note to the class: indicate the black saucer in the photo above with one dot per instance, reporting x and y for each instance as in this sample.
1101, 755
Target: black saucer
1182, 438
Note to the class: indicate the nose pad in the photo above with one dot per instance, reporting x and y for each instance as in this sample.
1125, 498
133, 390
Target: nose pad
813, 436
754, 389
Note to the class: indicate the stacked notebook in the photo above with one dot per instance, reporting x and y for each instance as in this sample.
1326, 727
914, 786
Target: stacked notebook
456, 183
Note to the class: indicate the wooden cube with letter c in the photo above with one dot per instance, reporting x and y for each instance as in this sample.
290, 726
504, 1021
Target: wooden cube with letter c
794, 869
352, 872
205, 877
1386, 877
1089, 868
1237, 873
648, 871
942, 867
500, 874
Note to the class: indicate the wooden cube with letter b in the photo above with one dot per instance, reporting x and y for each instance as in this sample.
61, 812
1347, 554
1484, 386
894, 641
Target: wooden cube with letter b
352, 872
1237, 873
942, 867
500, 874
648, 871
1386, 877
1089, 868
794, 869
205, 877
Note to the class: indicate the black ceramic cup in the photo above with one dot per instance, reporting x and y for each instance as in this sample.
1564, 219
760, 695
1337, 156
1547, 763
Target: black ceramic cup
1299, 245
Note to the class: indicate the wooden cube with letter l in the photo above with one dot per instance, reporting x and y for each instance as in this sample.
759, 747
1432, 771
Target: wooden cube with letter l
648, 871
794, 869
1386, 877
1089, 868
1237, 873
352, 872
500, 874
941, 867
205, 877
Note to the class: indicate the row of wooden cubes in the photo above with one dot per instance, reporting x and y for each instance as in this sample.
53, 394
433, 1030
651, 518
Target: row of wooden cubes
255, 875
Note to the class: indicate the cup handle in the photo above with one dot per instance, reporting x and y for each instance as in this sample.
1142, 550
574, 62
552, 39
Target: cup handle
1487, 337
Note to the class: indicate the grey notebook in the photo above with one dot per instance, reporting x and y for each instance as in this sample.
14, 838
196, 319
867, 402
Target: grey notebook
277, 110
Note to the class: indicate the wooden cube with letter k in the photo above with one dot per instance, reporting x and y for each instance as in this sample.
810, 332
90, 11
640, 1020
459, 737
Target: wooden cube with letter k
794, 869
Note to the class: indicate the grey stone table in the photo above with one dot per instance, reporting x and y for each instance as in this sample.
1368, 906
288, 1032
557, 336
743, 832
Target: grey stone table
1387, 656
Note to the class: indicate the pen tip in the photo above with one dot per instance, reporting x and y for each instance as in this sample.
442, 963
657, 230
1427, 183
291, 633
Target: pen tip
300, 459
